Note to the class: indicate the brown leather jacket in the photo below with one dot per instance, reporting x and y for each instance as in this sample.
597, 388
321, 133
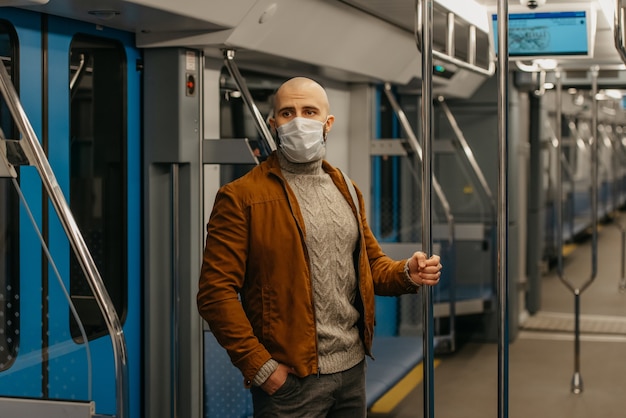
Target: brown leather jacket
255, 249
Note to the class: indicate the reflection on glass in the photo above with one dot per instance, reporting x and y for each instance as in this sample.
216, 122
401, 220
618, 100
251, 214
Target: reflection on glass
98, 174
9, 233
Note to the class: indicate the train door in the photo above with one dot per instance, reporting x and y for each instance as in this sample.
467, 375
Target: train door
80, 87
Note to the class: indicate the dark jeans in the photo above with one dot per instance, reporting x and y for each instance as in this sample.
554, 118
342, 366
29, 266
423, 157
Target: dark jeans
338, 395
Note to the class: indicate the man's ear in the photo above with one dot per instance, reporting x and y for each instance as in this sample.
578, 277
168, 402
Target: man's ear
272, 124
329, 123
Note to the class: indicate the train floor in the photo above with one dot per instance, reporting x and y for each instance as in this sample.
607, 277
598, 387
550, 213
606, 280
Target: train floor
541, 357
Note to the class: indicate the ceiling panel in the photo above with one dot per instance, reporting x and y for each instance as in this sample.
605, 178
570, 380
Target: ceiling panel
402, 13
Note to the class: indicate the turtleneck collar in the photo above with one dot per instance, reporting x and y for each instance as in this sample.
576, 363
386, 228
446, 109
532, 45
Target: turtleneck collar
310, 168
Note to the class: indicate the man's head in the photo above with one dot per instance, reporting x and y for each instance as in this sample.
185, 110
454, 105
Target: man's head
301, 97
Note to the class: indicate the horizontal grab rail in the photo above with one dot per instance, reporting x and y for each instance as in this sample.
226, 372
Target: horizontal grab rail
449, 56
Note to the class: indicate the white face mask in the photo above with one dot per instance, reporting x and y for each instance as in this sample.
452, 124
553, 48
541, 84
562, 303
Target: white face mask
302, 140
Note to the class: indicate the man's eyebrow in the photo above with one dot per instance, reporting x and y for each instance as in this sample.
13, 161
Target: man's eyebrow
293, 109
282, 109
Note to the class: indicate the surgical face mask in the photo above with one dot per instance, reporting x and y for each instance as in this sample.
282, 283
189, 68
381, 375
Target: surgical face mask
302, 140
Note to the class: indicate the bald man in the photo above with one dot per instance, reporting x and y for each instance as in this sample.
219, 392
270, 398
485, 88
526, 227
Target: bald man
290, 270
300, 108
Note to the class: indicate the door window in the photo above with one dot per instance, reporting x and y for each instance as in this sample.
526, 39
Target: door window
9, 221
98, 174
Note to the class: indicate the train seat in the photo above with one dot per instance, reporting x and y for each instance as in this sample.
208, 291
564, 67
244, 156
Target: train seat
394, 358
226, 397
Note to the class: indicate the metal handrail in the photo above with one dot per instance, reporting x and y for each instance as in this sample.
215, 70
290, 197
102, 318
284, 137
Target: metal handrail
80, 71
577, 383
424, 16
618, 30
615, 173
7, 170
617, 178
468, 153
621, 154
266, 135
568, 167
417, 149
503, 210
610, 174
570, 171
38, 158
448, 57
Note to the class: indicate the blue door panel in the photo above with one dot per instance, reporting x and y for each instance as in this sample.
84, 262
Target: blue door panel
61, 33
68, 359
23, 378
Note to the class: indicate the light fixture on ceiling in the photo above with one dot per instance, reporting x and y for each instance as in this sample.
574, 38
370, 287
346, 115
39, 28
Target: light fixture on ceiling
104, 14
546, 64
532, 4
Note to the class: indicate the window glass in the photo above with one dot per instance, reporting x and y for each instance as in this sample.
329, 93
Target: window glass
98, 174
9, 221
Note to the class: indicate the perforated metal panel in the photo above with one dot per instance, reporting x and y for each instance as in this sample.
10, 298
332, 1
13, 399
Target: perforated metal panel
224, 393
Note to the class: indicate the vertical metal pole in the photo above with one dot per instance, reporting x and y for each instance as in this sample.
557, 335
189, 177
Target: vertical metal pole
622, 280
594, 173
503, 213
175, 296
559, 174
577, 382
427, 118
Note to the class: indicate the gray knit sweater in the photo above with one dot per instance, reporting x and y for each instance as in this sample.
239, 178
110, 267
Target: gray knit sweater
331, 234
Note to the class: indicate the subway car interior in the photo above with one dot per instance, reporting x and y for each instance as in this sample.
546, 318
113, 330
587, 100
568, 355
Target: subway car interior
489, 132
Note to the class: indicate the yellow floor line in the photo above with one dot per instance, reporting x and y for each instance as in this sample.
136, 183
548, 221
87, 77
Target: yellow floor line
396, 394
568, 249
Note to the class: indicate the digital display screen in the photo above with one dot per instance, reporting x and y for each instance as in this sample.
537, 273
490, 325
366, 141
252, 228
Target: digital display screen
545, 33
